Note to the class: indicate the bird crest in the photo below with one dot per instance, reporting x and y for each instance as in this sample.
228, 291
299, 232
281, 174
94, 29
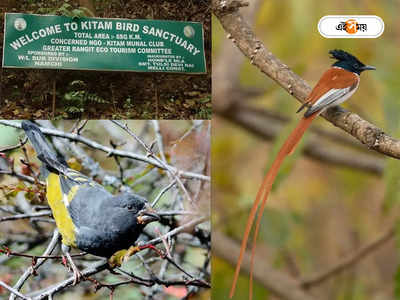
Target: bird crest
342, 55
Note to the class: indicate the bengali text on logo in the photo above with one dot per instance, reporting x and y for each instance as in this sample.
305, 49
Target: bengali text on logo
361, 26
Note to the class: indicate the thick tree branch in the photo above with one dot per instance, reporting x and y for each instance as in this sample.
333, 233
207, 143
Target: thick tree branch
245, 39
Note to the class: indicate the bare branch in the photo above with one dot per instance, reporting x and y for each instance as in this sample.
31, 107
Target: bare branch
176, 231
94, 269
13, 291
163, 191
20, 176
172, 171
159, 139
25, 216
39, 262
10, 148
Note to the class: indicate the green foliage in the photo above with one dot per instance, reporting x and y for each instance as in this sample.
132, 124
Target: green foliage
67, 10
77, 99
128, 104
205, 113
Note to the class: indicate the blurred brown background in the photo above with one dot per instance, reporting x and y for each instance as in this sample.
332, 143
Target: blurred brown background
334, 200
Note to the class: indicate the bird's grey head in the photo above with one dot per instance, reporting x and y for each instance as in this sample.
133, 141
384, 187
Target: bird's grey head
138, 207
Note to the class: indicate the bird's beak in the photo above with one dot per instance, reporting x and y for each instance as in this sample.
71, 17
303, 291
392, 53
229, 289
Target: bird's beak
147, 215
365, 68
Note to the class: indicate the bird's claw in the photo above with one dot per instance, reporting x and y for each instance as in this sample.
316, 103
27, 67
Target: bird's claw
78, 276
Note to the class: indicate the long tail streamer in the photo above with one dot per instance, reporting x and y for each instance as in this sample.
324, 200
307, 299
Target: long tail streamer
262, 194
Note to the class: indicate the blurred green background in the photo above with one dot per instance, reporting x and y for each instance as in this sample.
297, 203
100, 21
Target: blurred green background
318, 213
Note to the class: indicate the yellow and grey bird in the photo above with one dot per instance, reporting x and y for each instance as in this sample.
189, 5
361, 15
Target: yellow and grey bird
87, 216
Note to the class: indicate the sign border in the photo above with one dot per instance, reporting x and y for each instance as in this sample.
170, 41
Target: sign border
107, 70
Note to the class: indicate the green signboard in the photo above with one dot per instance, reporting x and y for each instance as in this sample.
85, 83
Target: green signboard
59, 42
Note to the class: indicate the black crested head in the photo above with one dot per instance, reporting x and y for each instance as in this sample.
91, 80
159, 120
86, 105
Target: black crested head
348, 62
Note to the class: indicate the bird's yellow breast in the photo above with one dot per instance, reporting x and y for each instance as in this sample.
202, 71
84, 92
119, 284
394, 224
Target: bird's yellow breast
60, 211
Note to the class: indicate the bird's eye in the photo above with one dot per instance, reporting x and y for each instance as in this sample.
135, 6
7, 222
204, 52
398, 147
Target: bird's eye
129, 207
356, 66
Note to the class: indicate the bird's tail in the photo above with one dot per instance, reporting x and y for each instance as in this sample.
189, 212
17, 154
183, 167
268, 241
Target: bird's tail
43, 150
262, 194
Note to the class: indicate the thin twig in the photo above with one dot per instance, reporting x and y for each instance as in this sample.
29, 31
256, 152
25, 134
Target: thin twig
155, 280
8, 252
25, 216
13, 291
177, 230
11, 148
163, 191
39, 262
168, 213
20, 176
159, 139
150, 153
94, 269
